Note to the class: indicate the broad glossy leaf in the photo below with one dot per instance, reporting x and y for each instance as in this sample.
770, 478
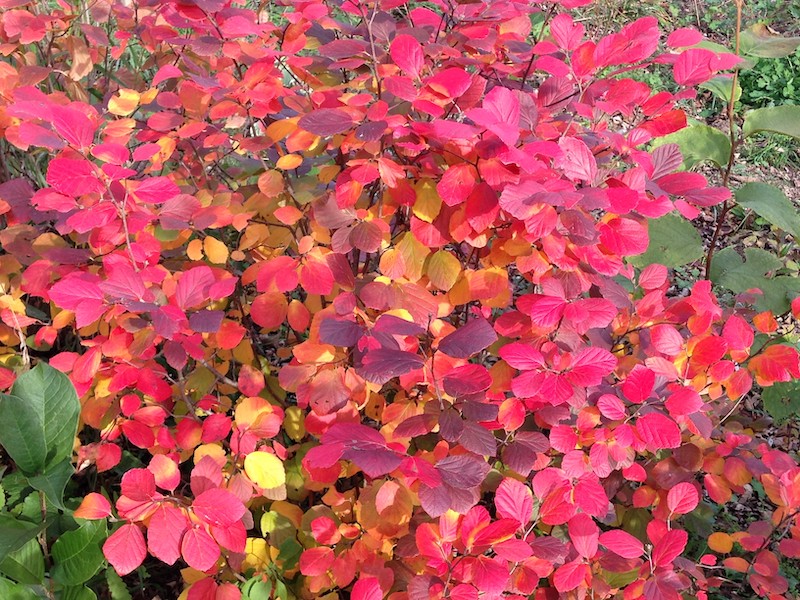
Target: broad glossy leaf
674, 242
700, 143
77, 553
772, 204
25, 565
39, 420
777, 119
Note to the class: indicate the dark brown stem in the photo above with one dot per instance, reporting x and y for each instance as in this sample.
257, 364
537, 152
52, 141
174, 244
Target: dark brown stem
726, 206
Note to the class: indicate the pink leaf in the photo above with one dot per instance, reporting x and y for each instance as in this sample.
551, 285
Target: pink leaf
669, 547
165, 531
584, 533
571, 575
74, 126
658, 431
683, 498
199, 549
125, 549
622, 543
514, 500
73, 177
407, 53
576, 161
368, 588
693, 66
683, 37
218, 507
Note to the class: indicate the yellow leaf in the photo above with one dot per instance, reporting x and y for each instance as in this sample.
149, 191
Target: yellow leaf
414, 254
428, 202
215, 250
256, 554
294, 423
443, 270
194, 251
289, 162
265, 470
124, 102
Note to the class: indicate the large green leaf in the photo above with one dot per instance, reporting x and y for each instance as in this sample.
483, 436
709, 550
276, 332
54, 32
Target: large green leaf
772, 204
39, 420
700, 143
77, 593
77, 553
25, 565
15, 533
777, 119
53, 482
14, 591
722, 86
782, 400
673, 242
756, 271
758, 40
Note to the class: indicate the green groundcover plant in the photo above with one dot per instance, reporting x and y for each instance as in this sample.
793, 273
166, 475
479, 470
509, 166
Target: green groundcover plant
372, 299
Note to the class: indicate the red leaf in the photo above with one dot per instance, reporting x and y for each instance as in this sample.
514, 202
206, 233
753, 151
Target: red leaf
639, 384
457, 183
658, 431
368, 588
155, 190
577, 161
590, 366
584, 533
192, 288
682, 498
164, 533
218, 507
514, 500
326, 121
74, 126
693, 66
683, 37
407, 53
571, 575
470, 339
125, 549
73, 177
669, 547
316, 561
622, 543
490, 575
684, 401
199, 549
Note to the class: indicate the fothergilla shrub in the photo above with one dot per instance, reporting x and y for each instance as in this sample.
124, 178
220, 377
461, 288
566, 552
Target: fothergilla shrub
348, 285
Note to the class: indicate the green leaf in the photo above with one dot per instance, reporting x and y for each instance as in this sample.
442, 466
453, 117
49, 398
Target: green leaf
673, 242
77, 553
77, 593
699, 143
53, 482
15, 533
772, 204
257, 589
14, 591
778, 119
729, 271
782, 400
757, 40
116, 587
25, 565
721, 87
39, 420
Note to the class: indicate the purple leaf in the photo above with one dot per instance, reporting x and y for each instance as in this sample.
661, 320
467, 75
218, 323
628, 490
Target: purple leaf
381, 365
462, 472
340, 332
326, 121
206, 321
363, 446
470, 339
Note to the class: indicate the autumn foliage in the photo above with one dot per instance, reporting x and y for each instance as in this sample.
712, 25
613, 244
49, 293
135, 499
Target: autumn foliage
351, 280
